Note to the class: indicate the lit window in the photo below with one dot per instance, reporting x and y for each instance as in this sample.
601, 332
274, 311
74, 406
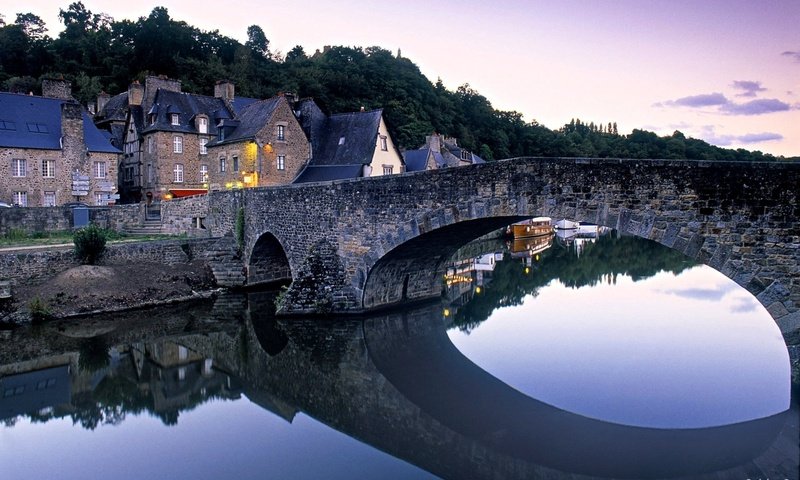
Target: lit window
222, 164
177, 144
100, 170
203, 148
48, 168
384, 145
178, 173
281, 132
235, 163
49, 199
21, 199
176, 119
202, 125
387, 169
341, 140
281, 162
18, 167
203, 173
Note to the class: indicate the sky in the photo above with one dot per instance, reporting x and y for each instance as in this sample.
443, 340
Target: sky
725, 71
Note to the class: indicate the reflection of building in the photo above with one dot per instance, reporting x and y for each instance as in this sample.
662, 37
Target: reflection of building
463, 278
36, 391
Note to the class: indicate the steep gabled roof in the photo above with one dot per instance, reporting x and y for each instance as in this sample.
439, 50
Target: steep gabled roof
347, 139
239, 103
416, 160
252, 119
187, 106
27, 121
114, 110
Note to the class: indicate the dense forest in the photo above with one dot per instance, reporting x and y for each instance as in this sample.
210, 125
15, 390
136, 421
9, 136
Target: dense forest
97, 54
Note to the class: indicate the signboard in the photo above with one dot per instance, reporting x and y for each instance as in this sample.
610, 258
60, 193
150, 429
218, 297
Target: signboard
80, 185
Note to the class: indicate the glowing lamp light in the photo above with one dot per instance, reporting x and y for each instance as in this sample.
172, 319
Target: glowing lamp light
527, 270
167, 196
446, 312
248, 179
228, 185
477, 289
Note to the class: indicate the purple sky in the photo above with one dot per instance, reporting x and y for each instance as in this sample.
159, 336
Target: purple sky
724, 71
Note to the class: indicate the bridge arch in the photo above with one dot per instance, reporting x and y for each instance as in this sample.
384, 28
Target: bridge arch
268, 261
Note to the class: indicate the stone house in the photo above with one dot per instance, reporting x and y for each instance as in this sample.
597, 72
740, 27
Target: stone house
164, 134
348, 145
263, 146
439, 152
50, 151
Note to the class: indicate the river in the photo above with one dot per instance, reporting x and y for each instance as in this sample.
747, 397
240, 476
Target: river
602, 357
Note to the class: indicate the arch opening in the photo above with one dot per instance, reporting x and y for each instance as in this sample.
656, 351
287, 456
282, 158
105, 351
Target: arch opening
413, 270
268, 262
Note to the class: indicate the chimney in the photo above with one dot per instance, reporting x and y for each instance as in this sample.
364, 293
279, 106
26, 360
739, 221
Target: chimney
102, 100
57, 88
153, 84
73, 145
135, 93
224, 89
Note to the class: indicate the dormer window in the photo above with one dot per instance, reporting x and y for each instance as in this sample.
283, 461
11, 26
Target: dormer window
341, 140
175, 119
202, 125
152, 119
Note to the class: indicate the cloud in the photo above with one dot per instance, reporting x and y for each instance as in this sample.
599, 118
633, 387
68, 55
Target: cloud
750, 88
759, 137
795, 55
702, 100
755, 107
709, 134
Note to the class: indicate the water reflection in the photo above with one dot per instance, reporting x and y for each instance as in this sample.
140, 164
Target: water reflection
396, 382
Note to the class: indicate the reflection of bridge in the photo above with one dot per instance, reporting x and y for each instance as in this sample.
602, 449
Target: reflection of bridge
354, 245
397, 383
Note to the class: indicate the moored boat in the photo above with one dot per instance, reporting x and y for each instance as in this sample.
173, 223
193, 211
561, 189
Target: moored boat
534, 227
565, 224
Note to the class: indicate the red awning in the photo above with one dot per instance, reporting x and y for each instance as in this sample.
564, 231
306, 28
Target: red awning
187, 192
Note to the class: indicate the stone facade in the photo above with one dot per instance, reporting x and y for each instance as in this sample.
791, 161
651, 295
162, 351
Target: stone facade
274, 156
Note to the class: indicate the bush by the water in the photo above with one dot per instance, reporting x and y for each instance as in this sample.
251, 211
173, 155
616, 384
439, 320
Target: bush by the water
90, 243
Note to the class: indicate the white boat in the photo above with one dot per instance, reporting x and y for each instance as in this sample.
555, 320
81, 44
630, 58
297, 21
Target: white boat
565, 224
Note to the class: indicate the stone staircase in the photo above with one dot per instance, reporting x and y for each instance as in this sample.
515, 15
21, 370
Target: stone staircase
149, 227
226, 264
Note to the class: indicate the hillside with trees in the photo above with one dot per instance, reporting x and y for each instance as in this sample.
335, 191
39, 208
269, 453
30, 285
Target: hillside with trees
98, 53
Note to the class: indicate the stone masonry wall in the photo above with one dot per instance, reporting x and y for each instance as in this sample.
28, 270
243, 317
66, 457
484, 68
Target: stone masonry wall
30, 267
46, 219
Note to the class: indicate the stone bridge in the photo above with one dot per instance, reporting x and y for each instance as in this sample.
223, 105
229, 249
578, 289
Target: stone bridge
358, 245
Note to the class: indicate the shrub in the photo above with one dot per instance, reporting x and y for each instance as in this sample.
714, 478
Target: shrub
40, 310
90, 243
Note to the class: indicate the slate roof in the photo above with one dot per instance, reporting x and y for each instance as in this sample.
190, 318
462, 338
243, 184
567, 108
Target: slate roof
326, 173
239, 103
359, 130
114, 110
416, 160
252, 119
35, 122
187, 106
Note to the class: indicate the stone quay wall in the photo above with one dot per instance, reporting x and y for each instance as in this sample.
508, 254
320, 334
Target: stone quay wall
31, 267
32, 220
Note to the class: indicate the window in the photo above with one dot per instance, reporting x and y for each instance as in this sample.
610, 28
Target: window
384, 145
100, 169
203, 148
150, 145
202, 125
152, 119
281, 132
150, 174
49, 199
222, 164
387, 169
37, 128
21, 199
341, 140
235, 163
178, 173
48, 168
18, 167
177, 144
281, 162
203, 173
7, 125
175, 119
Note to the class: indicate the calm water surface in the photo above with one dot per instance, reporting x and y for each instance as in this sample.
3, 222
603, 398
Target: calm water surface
613, 358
